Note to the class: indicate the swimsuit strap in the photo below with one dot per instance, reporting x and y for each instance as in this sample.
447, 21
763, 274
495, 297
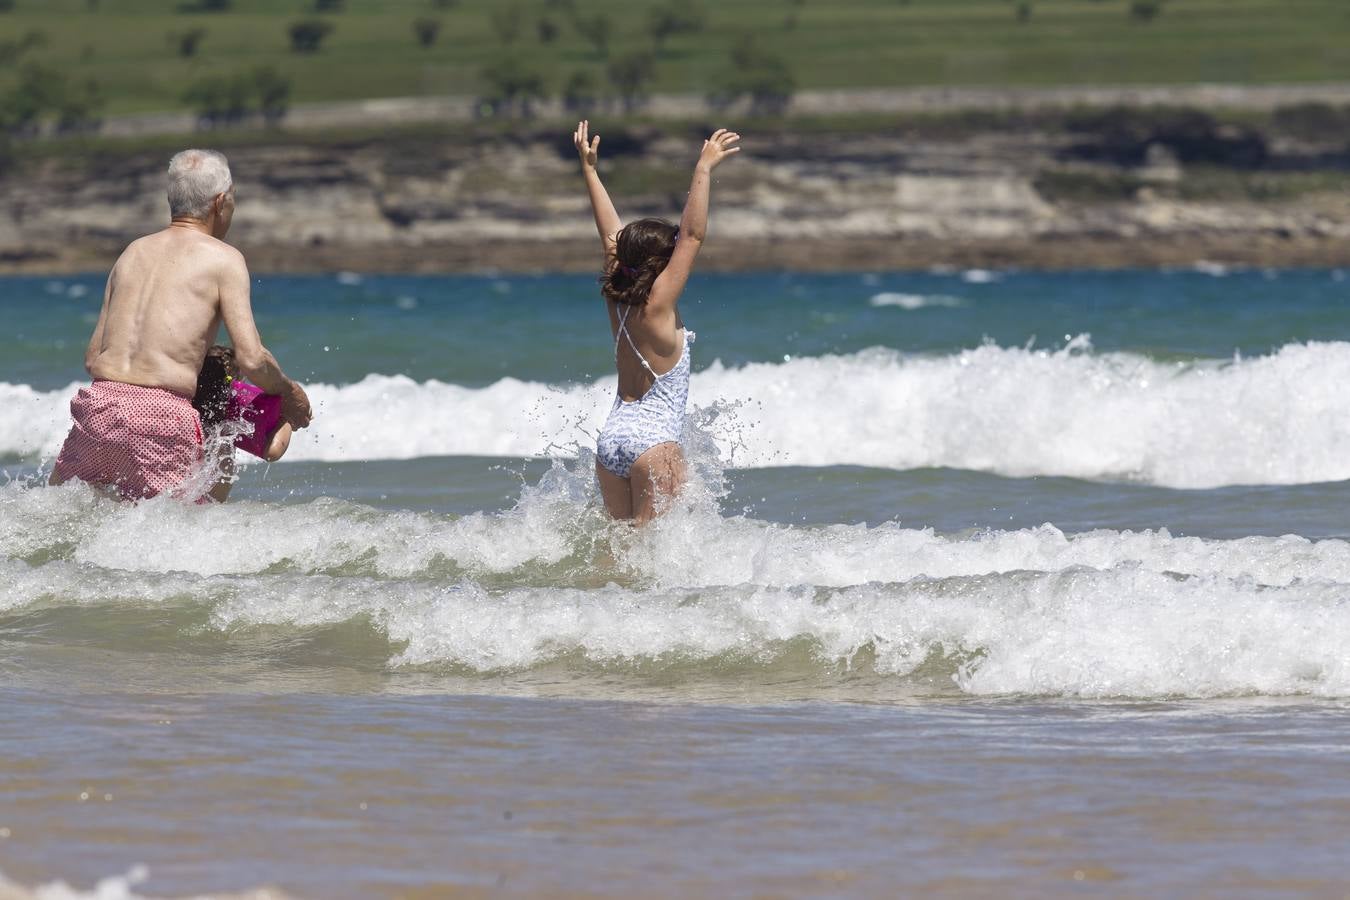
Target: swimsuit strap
623, 330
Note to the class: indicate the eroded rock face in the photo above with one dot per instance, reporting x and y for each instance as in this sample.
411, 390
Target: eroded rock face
389, 204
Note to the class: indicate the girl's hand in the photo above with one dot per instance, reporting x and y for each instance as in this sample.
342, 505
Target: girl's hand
588, 148
717, 148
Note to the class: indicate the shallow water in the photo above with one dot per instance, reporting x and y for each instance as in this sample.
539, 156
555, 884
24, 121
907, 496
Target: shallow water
426, 794
961, 601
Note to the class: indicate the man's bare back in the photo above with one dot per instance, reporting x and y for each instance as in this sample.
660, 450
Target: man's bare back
162, 309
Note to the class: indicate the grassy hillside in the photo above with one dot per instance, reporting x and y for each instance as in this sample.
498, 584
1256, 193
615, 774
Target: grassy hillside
130, 46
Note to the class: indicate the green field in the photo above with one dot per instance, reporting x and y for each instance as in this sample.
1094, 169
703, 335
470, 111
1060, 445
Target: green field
125, 45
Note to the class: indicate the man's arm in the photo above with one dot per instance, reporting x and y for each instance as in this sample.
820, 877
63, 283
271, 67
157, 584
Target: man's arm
253, 359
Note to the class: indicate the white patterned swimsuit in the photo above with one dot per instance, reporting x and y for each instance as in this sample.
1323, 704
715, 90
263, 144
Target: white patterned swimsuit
657, 417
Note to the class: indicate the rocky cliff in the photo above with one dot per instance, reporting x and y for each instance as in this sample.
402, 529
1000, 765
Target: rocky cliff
896, 198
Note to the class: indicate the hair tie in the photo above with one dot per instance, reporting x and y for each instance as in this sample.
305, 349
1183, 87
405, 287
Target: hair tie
629, 271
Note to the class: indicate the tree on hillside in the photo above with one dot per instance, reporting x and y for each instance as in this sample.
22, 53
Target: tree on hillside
307, 35
218, 100
11, 51
22, 107
329, 6
207, 6
221, 101
80, 109
187, 41
6, 5
272, 92
664, 22
513, 88
547, 29
764, 78
427, 30
770, 85
444, 4
630, 75
581, 93
47, 93
595, 30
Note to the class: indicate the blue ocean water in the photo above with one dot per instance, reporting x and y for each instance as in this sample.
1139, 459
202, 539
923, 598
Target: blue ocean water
474, 330
1082, 531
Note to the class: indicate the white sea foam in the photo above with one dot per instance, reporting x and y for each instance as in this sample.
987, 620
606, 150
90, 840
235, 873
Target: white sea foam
1120, 632
916, 301
1032, 611
1276, 419
1088, 633
116, 887
558, 524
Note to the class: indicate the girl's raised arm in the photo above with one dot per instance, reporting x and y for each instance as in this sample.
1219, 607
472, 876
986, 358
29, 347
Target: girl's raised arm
607, 220
694, 223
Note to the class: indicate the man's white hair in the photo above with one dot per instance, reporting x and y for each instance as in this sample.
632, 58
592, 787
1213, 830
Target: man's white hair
195, 178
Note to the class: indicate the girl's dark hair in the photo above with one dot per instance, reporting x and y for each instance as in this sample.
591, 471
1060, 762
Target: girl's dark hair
213, 385
641, 251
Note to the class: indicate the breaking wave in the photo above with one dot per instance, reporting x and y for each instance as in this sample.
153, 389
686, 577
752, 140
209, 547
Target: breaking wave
1275, 419
551, 582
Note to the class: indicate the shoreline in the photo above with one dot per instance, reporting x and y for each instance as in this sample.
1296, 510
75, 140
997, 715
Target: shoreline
901, 254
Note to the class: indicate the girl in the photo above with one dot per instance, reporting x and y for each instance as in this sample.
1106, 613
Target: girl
221, 397
647, 263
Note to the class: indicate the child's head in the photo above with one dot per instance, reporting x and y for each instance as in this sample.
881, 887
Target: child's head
642, 250
213, 385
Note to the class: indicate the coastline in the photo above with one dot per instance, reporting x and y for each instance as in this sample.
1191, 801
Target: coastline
810, 255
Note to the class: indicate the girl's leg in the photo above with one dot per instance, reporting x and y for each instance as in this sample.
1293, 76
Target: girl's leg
617, 493
221, 492
657, 477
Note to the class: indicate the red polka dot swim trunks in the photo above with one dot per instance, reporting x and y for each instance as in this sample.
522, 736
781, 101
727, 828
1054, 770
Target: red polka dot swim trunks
143, 441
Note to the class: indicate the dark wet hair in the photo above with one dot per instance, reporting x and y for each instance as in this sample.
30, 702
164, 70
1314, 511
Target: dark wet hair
213, 385
641, 251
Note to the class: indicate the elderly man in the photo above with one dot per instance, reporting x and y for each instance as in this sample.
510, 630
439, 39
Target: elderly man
135, 429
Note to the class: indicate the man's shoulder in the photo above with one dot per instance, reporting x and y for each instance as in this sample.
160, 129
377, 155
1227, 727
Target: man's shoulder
141, 243
219, 257
228, 256
215, 248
